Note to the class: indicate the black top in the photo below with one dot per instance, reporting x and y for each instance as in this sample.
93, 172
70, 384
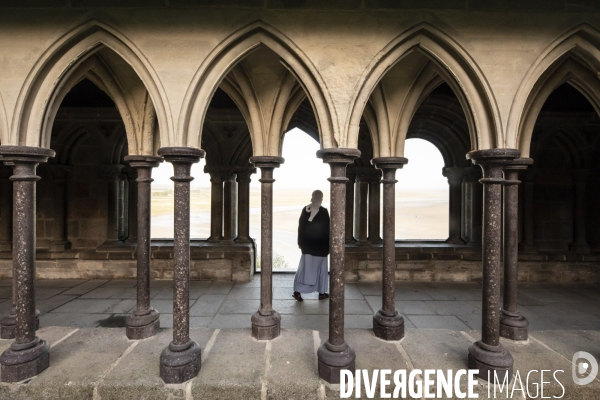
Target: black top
313, 236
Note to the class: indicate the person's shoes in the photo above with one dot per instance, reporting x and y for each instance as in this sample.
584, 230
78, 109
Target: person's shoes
298, 296
323, 296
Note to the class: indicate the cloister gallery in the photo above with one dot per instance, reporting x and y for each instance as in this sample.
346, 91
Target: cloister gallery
93, 97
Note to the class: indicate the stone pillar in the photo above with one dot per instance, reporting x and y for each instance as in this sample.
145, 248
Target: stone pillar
180, 360
144, 321
266, 321
580, 244
216, 204
374, 207
229, 207
112, 174
28, 355
361, 195
528, 242
335, 355
472, 204
60, 240
350, 207
132, 206
488, 355
455, 177
5, 210
243, 180
388, 324
512, 324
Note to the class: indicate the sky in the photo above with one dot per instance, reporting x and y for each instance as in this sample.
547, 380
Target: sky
302, 168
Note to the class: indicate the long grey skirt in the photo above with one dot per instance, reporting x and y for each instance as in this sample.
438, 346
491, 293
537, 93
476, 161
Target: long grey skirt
312, 275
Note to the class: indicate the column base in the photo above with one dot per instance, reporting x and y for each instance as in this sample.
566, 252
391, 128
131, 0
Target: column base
243, 240
9, 321
493, 362
513, 326
333, 359
582, 248
23, 361
5, 245
142, 326
458, 241
113, 245
266, 327
528, 248
388, 327
213, 239
376, 241
60, 245
180, 363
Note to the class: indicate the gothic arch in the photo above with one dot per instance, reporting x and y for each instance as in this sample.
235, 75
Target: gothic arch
54, 70
228, 54
573, 58
4, 133
448, 60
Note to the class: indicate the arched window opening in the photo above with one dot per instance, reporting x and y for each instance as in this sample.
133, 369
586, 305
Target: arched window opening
421, 194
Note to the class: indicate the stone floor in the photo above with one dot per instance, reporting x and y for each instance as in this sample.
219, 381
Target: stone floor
92, 358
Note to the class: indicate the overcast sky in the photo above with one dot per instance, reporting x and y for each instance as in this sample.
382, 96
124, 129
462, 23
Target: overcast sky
302, 168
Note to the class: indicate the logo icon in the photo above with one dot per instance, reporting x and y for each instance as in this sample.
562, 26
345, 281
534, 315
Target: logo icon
584, 364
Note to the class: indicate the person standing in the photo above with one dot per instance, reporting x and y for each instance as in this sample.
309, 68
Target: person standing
313, 240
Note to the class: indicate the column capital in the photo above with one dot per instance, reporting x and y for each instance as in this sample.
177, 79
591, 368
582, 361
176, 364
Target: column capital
518, 164
181, 155
455, 174
338, 155
143, 161
366, 174
244, 173
389, 162
12, 155
492, 161
267, 161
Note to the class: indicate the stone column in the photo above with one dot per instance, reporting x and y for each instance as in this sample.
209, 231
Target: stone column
60, 240
580, 244
374, 207
266, 321
229, 207
132, 206
216, 204
5, 210
488, 355
388, 324
528, 243
512, 324
28, 355
350, 207
243, 180
112, 175
361, 195
144, 321
455, 177
180, 360
335, 355
472, 204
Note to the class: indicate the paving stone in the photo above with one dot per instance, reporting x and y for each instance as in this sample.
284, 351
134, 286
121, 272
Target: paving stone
120, 283
54, 302
102, 293
233, 321
85, 287
207, 305
312, 322
357, 307
454, 294
351, 292
455, 307
244, 293
292, 373
5, 292
72, 319
243, 357
288, 307
217, 287
409, 294
93, 306
66, 283
137, 375
234, 306
437, 322
164, 306
358, 322
409, 307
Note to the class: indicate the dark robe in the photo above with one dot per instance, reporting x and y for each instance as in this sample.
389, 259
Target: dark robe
313, 236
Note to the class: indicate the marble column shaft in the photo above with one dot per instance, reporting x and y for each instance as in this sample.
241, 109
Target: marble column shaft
180, 361
144, 321
229, 207
112, 175
361, 196
488, 355
216, 205
455, 177
132, 206
60, 240
388, 324
266, 321
28, 355
350, 207
512, 324
243, 180
5, 211
335, 354
374, 208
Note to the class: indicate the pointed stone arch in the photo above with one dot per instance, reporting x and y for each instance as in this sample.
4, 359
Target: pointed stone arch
4, 131
62, 65
449, 61
228, 54
573, 58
